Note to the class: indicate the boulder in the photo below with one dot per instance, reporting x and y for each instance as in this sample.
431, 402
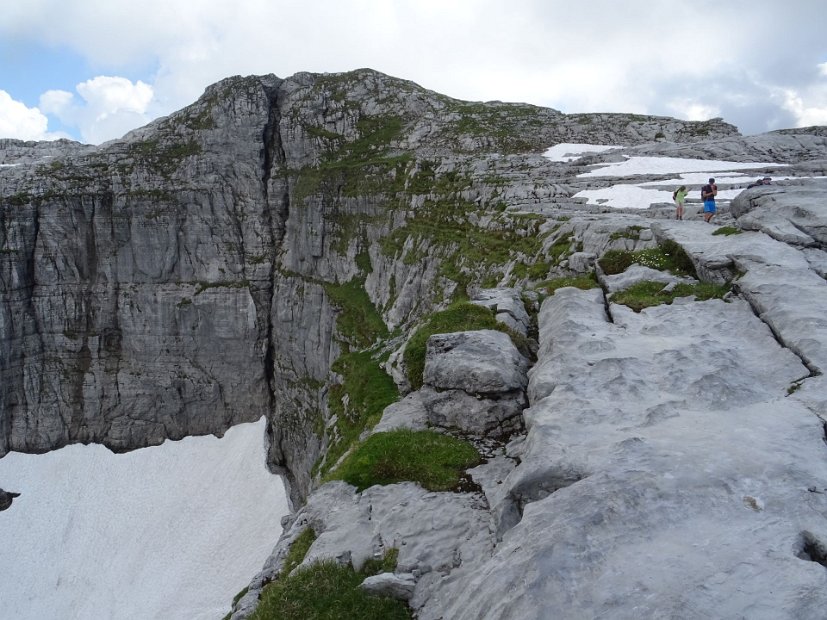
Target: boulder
507, 305
400, 587
479, 362
494, 415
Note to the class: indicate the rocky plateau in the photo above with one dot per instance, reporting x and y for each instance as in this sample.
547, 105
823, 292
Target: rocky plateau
277, 248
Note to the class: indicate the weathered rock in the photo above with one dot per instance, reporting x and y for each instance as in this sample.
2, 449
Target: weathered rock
675, 428
507, 305
437, 534
407, 413
496, 415
392, 585
474, 382
478, 362
636, 274
6, 499
203, 270
796, 215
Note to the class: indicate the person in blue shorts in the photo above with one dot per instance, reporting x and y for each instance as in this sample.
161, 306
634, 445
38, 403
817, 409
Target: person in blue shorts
708, 193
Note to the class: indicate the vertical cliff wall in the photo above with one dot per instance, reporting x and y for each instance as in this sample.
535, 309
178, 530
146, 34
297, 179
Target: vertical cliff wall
215, 265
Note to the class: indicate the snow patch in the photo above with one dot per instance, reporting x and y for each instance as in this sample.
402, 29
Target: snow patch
172, 531
671, 165
567, 151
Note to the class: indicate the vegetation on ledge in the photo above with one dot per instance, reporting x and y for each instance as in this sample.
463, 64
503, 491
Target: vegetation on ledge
358, 402
434, 461
324, 591
463, 316
646, 294
584, 282
298, 550
727, 231
668, 256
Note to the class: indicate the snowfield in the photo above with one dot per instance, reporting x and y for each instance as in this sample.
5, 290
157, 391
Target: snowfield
172, 531
642, 195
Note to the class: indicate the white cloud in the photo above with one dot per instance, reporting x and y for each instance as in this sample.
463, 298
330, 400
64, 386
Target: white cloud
650, 56
23, 123
55, 101
109, 107
693, 110
808, 109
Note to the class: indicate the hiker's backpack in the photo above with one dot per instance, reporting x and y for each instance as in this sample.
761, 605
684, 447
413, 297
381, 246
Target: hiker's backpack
674, 194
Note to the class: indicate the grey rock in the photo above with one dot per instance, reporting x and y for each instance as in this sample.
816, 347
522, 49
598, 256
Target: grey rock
183, 279
492, 415
478, 362
438, 535
6, 499
777, 281
817, 259
603, 482
636, 274
398, 586
407, 413
796, 215
507, 305
582, 262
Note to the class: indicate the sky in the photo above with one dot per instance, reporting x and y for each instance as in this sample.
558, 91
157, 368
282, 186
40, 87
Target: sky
91, 70
171, 531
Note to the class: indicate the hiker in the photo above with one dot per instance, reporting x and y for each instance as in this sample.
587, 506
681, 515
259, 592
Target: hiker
679, 196
708, 193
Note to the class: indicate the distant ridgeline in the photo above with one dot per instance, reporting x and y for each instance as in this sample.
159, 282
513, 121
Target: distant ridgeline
290, 248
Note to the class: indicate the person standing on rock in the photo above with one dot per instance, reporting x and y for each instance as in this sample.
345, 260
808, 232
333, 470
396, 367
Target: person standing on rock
679, 196
708, 193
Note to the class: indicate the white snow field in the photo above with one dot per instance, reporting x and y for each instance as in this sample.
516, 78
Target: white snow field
568, 151
643, 195
173, 531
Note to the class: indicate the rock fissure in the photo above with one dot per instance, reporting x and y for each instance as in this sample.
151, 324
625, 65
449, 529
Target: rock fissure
814, 371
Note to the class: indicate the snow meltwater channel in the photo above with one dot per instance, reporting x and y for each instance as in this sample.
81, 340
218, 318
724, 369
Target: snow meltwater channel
172, 531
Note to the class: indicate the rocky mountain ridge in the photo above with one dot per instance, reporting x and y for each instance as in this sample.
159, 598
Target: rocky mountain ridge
125, 267
271, 248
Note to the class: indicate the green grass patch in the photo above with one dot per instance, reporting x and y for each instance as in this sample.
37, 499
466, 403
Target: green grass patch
326, 591
727, 231
646, 294
358, 323
584, 282
240, 594
433, 460
385, 564
560, 249
458, 317
631, 232
535, 271
464, 248
298, 550
668, 256
368, 390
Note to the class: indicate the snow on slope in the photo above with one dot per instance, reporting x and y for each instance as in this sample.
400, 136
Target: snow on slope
172, 531
644, 194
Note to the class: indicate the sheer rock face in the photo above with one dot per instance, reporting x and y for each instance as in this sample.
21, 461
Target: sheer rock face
174, 282
193, 275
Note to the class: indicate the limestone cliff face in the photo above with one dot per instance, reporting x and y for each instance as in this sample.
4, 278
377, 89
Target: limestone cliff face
194, 274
